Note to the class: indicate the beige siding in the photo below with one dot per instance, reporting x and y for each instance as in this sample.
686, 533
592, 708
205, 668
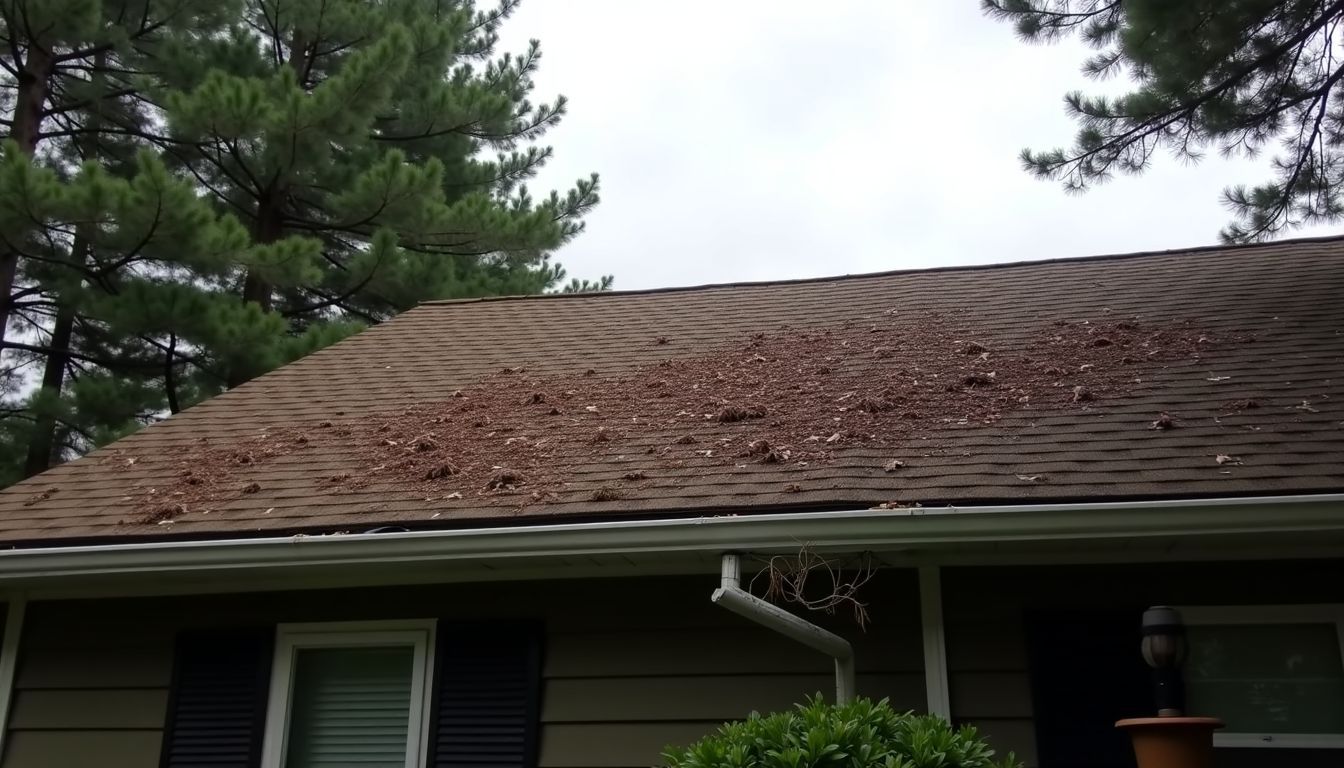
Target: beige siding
631, 665
104, 749
984, 611
89, 709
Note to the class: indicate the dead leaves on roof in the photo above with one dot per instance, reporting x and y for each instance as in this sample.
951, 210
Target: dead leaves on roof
43, 495
789, 400
442, 470
605, 493
1164, 422
730, 414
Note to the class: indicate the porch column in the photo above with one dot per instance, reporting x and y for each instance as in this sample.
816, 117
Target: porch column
935, 645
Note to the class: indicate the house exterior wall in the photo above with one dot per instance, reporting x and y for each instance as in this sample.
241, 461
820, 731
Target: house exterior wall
631, 665
985, 610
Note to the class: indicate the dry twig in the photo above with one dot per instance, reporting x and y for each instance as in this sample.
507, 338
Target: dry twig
787, 581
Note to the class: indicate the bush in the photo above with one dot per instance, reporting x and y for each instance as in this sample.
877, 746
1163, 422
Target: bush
860, 734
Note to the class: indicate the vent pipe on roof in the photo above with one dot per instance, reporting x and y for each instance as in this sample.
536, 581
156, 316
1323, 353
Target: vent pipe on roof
730, 595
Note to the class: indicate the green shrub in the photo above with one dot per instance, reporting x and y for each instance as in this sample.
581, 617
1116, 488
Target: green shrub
860, 734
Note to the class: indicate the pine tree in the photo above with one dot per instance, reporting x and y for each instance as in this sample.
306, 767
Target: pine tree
347, 135
137, 238
72, 65
198, 191
61, 59
1230, 75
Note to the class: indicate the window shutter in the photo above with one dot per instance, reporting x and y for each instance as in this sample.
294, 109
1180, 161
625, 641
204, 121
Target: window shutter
217, 706
487, 695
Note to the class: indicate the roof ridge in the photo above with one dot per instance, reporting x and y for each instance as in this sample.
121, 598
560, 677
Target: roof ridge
891, 272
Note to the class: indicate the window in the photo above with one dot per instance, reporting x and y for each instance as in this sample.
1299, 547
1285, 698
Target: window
349, 694
1274, 674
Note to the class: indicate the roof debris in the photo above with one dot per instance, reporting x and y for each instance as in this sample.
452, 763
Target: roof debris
504, 480
732, 413
439, 471
823, 393
605, 493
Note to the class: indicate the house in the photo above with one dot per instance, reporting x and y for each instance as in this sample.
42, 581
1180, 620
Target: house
486, 533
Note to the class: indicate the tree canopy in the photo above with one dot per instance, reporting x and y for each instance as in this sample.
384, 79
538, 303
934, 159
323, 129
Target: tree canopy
1231, 76
193, 192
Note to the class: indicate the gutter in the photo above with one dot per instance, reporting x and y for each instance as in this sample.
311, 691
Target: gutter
867, 529
730, 595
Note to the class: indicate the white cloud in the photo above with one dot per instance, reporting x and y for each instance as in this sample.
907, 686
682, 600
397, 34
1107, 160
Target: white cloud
753, 140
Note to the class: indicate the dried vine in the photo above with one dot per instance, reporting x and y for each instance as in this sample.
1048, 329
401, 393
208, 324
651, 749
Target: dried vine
787, 579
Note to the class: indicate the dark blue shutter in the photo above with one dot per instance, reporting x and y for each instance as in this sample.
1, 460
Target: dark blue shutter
217, 705
487, 695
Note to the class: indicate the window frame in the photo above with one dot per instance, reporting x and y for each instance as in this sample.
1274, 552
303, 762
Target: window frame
1261, 615
294, 637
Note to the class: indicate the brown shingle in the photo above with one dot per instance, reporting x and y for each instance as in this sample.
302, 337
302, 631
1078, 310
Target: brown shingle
1272, 312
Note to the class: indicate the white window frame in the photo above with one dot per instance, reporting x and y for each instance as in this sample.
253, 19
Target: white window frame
291, 638
1223, 615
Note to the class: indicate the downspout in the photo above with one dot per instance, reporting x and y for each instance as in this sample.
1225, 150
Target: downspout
730, 595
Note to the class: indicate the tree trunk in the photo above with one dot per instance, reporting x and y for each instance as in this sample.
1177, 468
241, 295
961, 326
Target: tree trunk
42, 445
256, 289
269, 228
170, 375
34, 81
270, 225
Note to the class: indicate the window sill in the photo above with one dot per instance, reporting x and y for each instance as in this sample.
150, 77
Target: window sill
1280, 740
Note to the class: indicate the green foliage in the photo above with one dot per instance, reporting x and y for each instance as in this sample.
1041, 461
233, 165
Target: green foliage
366, 126
860, 734
1233, 76
193, 192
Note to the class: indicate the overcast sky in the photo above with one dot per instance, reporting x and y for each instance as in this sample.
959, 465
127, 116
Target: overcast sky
757, 140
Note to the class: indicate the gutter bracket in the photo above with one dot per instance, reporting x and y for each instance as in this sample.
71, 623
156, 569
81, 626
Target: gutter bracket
730, 595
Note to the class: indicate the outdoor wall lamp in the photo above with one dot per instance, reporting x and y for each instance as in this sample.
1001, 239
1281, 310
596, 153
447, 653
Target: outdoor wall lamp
1170, 740
1164, 649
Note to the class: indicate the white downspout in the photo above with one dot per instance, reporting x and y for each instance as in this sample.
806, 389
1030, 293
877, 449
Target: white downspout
730, 595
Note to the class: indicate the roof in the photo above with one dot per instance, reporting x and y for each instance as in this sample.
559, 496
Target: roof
1202, 373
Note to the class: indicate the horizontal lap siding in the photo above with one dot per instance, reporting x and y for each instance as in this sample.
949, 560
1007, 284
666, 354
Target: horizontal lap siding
631, 666
616, 697
89, 685
984, 618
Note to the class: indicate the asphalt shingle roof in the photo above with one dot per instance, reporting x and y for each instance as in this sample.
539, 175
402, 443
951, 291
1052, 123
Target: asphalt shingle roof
1272, 316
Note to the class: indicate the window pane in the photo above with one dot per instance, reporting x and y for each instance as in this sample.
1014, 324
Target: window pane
1270, 678
350, 707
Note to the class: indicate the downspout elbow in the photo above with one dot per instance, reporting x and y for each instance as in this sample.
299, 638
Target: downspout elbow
730, 595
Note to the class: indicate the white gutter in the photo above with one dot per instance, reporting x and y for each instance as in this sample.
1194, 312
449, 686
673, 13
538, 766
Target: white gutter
730, 595
869, 529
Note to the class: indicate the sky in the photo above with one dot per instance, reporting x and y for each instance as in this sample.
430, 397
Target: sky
755, 140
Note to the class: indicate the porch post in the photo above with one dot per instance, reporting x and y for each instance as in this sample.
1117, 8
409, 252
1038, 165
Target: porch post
9, 661
935, 646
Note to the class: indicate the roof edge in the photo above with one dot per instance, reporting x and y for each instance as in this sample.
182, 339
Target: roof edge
508, 548
891, 272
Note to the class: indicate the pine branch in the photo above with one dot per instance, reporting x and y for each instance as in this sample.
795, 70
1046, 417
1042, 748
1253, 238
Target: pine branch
169, 382
101, 361
1155, 125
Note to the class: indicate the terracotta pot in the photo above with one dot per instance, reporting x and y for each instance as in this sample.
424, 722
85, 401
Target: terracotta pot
1172, 742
